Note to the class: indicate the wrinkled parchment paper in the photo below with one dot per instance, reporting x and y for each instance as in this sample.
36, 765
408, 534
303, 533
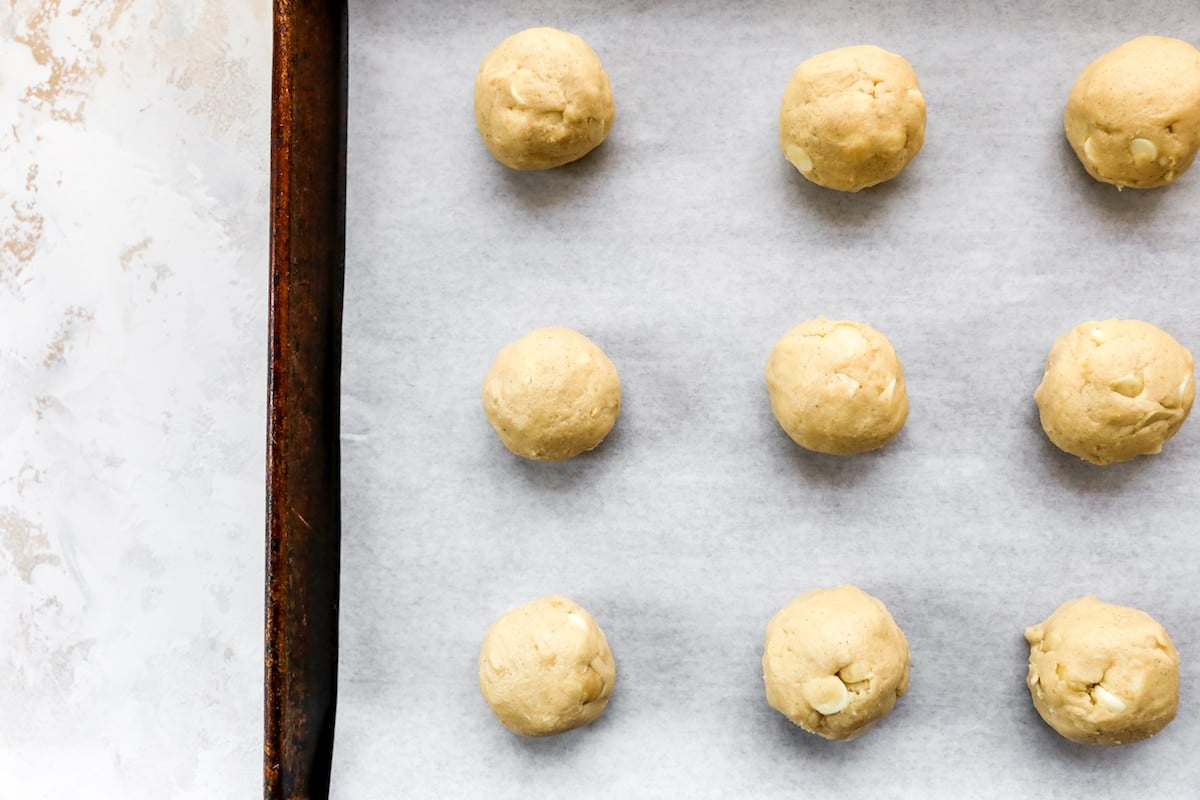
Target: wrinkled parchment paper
685, 246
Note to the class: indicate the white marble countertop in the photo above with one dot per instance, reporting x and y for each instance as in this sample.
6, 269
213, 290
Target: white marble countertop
133, 279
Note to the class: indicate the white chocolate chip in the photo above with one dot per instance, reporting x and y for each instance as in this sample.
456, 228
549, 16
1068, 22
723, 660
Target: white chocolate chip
1143, 151
1098, 336
852, 386
1161, 415
1108, 699
576, 620
516, 96
799, 158
826, 695
1089, 149
1130, 385
886, 394
857, 672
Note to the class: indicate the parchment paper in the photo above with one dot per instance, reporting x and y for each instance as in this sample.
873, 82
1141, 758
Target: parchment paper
685, 246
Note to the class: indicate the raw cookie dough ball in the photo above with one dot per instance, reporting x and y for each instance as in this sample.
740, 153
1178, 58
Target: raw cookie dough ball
835, 662
852, 117
552, 394
545, 668
1133, 116
1101, 673
1115, 390
542, 99
837, 387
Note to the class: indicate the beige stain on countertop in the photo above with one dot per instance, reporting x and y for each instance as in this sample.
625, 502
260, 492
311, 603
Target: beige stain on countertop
71, 70
27, 546
20, 235
199, 62
206, 67
135, 255
57, 349
52, 667
69, 74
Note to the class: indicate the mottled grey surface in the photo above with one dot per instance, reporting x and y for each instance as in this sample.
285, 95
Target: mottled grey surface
685, 246
134, 152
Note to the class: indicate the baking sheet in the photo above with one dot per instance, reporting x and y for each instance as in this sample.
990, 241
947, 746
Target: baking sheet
685, 246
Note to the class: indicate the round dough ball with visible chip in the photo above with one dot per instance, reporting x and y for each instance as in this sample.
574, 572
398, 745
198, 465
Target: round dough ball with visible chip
835, 662
1133, 115
1115, 390
552, 395
1101, 673
546, 667
852, 117
837, 387
542, 99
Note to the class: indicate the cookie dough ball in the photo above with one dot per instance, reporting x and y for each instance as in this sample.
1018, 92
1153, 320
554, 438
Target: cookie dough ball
1115, 390
1101, 673
542, 99
835, 662
837, 387
552, 394
852, 117
546, 668
1133, 115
